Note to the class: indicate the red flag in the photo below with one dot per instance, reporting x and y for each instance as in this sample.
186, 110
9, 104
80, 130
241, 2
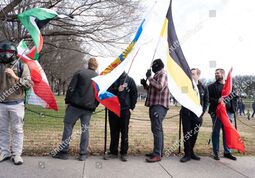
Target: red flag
232, 137
227, 89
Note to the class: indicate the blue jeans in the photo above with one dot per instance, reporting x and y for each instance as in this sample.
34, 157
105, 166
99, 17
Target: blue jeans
216, 134
157, 115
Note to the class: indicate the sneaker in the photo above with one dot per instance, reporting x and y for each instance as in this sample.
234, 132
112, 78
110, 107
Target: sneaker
153, 159
195, 157
184, 159
82, 157
110, 156
60, 155
124, 157
230, 156
216, 157
4, 157
17, 160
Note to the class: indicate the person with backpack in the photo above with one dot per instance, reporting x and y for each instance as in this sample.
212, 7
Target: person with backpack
14, 80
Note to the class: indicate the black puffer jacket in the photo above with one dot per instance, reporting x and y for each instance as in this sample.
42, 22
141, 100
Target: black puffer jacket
80, 91
127, 97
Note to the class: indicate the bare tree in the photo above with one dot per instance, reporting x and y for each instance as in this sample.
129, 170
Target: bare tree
98, 26
97, 23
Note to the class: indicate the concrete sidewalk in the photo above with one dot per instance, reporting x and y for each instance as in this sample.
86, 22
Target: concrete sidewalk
136, 167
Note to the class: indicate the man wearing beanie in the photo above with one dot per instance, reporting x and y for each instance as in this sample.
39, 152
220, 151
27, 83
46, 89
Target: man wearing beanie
158, 97
81, 103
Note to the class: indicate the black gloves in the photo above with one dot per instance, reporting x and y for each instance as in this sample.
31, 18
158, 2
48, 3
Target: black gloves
143, 82
148, 73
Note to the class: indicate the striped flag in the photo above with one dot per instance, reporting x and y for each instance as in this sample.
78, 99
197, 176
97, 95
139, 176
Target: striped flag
125, 59
33, 20
40, 94
179, 75
112, 73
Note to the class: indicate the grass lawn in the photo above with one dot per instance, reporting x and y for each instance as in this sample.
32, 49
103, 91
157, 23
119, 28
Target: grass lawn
43, 131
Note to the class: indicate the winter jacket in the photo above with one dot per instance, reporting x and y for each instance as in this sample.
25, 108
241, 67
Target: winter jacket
127, 97
10, 89
80, 92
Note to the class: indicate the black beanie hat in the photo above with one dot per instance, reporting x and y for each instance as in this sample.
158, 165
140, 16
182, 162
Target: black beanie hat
157, 65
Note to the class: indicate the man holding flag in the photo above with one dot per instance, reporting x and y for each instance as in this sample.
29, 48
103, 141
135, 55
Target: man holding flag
14, 80
158, 98
125, 89
191, 122
215, 98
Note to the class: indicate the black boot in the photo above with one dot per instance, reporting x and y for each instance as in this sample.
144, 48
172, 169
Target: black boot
229, 156
185, 159
195, 157
60, 155
216, 156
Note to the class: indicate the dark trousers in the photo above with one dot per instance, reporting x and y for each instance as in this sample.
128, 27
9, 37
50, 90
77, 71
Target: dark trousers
157, 115
253, 113
119, 125
191, 124
71, 116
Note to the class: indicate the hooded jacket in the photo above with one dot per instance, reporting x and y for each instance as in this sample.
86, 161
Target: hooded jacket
127, 97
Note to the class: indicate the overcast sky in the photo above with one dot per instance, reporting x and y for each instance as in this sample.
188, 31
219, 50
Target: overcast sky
213, 34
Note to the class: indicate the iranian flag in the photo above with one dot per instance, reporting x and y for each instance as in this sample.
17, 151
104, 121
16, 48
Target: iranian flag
40, 94
33, 20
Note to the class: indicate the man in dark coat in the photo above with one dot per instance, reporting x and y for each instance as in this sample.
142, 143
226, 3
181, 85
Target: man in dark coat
126, 91
190, 122
81, 102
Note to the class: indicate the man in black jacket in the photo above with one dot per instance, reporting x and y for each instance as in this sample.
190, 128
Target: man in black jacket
125, 89
190, 122
81, 102
215, 90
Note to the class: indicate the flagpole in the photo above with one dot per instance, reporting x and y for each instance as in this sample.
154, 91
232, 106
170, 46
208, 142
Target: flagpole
18, 59
209, 141
235, 120
105, 132
131, 65
180, 135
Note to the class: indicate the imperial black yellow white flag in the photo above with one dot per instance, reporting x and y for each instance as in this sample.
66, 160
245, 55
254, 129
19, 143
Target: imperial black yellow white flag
179, 75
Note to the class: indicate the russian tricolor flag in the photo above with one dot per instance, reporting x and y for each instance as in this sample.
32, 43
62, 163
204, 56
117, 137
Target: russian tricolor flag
124, 61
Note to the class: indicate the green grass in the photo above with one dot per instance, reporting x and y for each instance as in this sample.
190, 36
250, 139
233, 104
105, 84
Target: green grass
43, 133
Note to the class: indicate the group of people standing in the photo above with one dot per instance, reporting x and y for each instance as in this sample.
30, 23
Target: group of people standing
81, 103
158, 98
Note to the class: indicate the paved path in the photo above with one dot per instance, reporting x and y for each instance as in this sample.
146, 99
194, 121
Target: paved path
136, 167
